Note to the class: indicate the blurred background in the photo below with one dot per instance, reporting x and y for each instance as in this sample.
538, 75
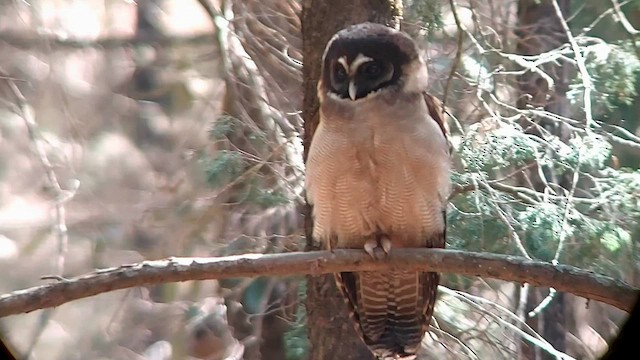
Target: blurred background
133, 130
135, 119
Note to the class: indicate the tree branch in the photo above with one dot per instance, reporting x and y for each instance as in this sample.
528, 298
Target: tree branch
623, 19
28, 41
511, 268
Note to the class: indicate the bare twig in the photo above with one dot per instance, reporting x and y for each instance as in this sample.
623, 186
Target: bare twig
456, 60
37, 41
207, 6
589, 123
584, 74
23, 41
520, 310
511, 268
623, 19
597, 20
61, 196
499, 314
543, 304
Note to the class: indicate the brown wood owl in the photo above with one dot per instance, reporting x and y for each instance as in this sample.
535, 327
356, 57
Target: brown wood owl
378, 177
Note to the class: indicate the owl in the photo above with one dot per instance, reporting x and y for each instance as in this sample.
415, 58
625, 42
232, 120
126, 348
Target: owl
377, 176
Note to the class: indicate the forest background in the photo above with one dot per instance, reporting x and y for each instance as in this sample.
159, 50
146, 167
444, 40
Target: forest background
135, 131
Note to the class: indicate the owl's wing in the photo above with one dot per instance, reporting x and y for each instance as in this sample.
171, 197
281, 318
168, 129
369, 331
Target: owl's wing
437, 113
429, 281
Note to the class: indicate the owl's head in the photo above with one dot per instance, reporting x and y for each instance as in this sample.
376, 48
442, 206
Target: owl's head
367, 58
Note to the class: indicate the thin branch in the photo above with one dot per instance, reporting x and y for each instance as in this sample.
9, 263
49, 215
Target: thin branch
520, 310
24, 110
207, 6
595, 22
456, 61
37, 41
499, 314
511, 268
584, 74
623, 19
587, 84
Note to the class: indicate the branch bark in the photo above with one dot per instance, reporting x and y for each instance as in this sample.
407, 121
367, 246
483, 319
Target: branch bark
511, 268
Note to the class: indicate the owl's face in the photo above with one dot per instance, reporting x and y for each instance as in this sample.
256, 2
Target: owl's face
366, 58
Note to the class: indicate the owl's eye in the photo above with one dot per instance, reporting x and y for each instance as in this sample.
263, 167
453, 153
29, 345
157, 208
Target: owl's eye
340, 74
372, 69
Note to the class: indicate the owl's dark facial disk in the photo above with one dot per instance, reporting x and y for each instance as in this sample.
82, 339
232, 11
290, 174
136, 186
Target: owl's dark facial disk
359, 77
365, 58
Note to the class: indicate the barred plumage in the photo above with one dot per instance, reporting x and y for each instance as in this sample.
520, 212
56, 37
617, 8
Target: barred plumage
378, 176
391, 321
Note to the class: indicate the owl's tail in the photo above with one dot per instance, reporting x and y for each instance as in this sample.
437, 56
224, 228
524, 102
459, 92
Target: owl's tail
392, 309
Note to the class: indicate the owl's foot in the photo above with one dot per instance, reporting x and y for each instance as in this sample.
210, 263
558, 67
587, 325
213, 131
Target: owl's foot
378, 249
386, 244
370, 247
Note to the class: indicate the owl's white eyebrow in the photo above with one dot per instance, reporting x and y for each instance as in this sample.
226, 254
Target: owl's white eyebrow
359, 60
343, 61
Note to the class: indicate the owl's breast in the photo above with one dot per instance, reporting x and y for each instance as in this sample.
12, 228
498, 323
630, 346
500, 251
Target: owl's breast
340, 186
367, 182
409, 189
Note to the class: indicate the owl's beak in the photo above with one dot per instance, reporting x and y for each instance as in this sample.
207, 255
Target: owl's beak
353, 91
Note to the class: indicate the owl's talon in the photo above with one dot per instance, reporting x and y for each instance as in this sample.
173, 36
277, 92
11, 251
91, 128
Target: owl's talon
369, 248
386, 244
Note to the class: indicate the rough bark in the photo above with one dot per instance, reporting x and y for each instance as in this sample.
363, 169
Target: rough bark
330, 330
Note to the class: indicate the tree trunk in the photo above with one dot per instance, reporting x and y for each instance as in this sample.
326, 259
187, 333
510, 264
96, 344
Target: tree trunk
539, 31
331, 333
